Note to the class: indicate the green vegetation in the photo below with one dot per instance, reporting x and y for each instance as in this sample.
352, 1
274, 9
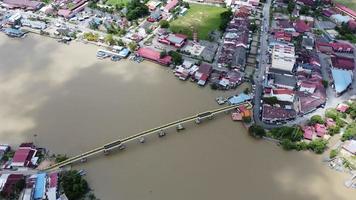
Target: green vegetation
352, 110
350, 132
8, 155
60, 158
291, 133
336, 116
91, 36
291, 6
74, 186
325, 83
270, 100
109, 39
333, 153
164, 24
225, 19
256, 131
316, 119
136, 9
349, 3
318, 146
120, 3
17, 189
246, 119
201, 18
346, 33
176, 57
132, 46
334, 130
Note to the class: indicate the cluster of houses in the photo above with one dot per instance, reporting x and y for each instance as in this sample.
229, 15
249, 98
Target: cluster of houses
236, 41
36, 186
294, 76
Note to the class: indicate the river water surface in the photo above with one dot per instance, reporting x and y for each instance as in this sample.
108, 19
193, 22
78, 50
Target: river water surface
74, 102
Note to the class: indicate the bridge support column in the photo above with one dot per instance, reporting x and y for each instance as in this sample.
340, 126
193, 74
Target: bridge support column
198, 120
161, 133
179, 127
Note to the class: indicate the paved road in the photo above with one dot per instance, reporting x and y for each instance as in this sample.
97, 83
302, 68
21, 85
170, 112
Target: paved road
260, 72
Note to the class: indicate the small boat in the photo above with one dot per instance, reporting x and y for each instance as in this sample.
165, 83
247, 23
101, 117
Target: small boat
141, 140
179, 127
221, 100
82, 172
161, 133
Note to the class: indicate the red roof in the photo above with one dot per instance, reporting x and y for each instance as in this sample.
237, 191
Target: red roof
320, 130
283, 91
308, 132
53, 180
154, 55
170, 5
346, 9
343, 63
342, 107
301, 27
352, 25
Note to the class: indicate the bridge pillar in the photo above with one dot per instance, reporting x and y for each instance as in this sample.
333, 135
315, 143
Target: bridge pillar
161, 133
179, 127
198, 120
141, 140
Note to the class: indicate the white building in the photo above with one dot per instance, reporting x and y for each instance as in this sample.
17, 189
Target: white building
283, 57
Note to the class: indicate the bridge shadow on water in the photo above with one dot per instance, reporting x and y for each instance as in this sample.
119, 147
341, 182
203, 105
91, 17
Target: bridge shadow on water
94, 105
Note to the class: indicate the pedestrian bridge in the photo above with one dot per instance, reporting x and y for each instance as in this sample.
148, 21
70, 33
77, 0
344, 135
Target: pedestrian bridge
120, 143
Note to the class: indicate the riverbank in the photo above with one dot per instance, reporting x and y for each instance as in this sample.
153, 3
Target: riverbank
74, 102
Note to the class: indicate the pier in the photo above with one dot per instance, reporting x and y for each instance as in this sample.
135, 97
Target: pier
120, 143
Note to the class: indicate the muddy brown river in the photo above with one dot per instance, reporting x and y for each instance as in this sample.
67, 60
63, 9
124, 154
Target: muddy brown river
74, 102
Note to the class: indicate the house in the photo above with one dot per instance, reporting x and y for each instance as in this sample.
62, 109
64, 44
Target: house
203, 73
23, 4
283, 36
310, 3
24, 156
308, 102
350, 147
177, 40
11, 32
4, 148
301, 27
345, 10
340, 19
308, 43
343, 63
40, 186
153, 5
320, 130
308, 132
281, 81
342, 79
272, 114
153, 55
352, 25
330, 48
283, 57
170, 5
282, 94
52, 186
330, 122
307, 86
155, 16
237, 99
342, 107
8, 183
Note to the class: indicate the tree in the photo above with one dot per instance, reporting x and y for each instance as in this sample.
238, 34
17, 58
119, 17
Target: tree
293, 133
333, 153
287, 144
246, 119
291, 6
304, 10
163, 54
334, 130
136, 9
61, 158
132, 46
164, 24
316, 119
110, 39
270, 100
350, 132
225, 18
325, 83
74, 186
176, 57
257, 131
246, 90
318, 146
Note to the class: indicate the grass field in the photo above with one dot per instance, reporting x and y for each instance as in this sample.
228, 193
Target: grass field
116, 2
349, 3
203, 18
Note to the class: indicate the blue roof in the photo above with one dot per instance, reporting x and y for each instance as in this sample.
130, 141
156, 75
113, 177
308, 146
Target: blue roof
125, 52
239, 98
342, 79
40, 186
13, 31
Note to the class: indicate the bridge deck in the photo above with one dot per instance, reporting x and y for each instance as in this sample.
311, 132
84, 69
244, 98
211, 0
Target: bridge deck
119, 142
